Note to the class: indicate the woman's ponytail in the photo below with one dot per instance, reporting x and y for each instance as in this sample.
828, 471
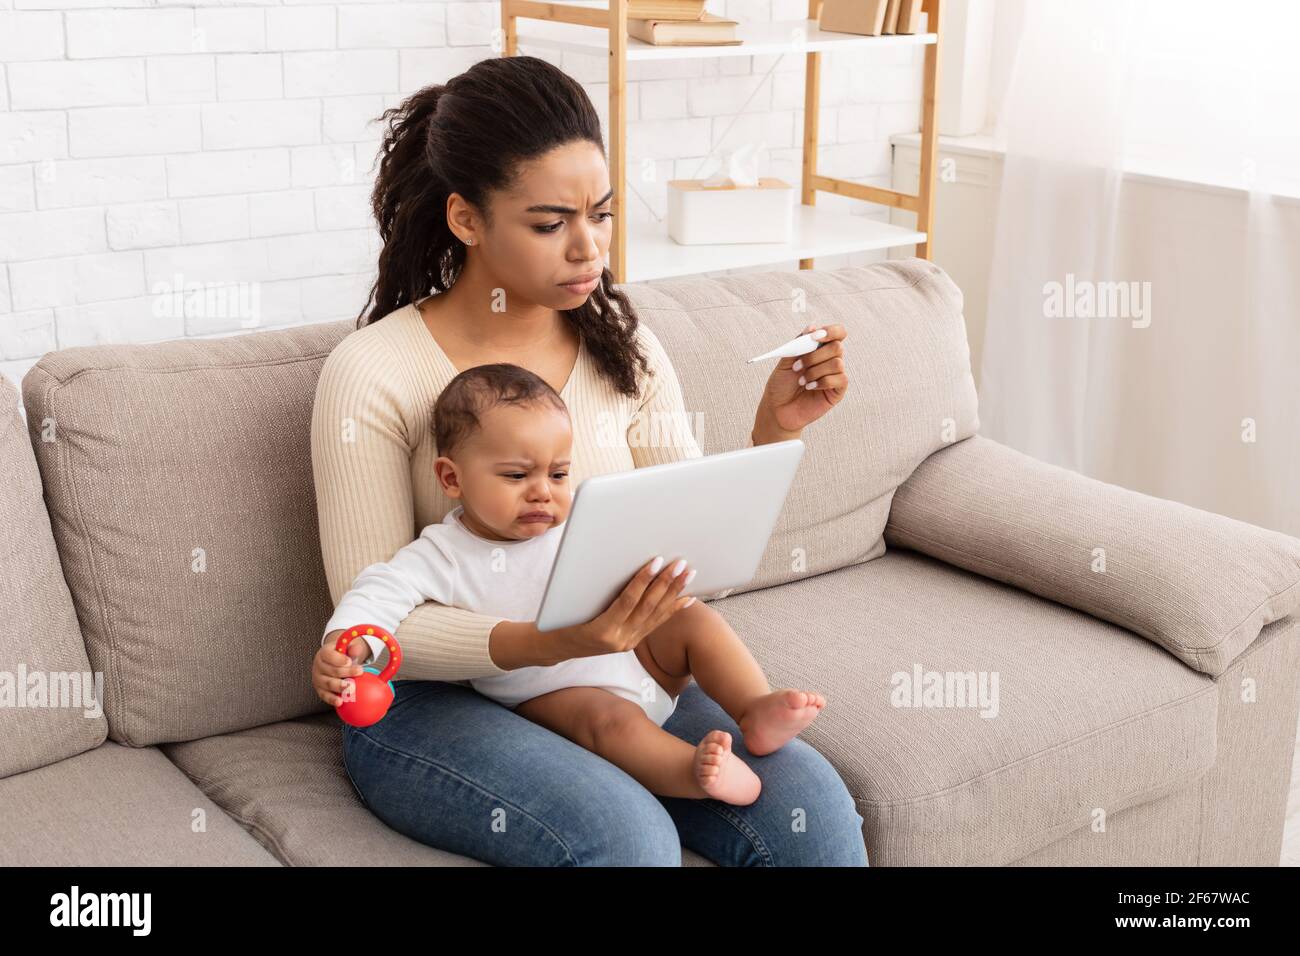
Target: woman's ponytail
409, 201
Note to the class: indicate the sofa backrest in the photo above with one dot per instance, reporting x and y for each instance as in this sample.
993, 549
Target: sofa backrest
178, 481
179, 487
910, 390
49, 697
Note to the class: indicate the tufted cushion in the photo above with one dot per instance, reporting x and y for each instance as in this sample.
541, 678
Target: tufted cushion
180, 491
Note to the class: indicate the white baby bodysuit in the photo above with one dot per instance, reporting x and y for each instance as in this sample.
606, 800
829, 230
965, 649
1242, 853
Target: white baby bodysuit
450, 564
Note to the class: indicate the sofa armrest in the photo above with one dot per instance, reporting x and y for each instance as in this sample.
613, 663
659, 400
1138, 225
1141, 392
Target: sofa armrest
1199, 584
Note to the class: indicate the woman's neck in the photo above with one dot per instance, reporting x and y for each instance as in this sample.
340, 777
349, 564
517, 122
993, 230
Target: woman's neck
466, 312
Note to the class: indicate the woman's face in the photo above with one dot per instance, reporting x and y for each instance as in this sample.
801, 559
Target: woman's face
551, 227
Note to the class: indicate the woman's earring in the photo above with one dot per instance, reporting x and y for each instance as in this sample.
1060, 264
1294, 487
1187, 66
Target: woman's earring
469, 242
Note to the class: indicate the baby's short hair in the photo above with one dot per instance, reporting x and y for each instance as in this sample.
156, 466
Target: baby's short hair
459, 410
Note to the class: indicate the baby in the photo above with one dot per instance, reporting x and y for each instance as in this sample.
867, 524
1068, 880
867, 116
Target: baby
504, 438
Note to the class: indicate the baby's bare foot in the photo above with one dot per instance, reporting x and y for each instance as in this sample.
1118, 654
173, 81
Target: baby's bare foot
771, 720
722, 774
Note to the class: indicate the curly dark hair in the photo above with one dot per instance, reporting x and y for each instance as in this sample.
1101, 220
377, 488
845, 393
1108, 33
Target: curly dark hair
469, 136
459, 410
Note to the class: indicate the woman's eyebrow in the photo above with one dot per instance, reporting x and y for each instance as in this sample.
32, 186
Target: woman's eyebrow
567, 210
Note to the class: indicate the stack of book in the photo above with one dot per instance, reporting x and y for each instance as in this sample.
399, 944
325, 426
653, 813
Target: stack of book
870, 17
678, 23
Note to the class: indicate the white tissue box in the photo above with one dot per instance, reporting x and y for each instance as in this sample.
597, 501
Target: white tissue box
728, 213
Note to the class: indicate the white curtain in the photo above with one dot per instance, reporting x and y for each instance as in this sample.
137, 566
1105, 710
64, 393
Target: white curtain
1139, 330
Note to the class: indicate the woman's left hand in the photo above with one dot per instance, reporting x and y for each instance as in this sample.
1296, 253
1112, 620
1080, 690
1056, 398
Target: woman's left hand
802, 389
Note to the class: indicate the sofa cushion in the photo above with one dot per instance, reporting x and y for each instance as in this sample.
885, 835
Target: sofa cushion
910, 390
1084, 715
179, 487
48, 696
287, 783
117, 806
1199, 584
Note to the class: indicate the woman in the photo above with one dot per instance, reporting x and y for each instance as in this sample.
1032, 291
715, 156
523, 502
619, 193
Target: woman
494, 190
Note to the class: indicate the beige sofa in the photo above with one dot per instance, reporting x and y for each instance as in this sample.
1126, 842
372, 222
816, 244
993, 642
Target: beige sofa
1138, 658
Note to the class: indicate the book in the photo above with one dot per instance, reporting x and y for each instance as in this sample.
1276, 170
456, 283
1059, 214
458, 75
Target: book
909, 16
863, 17
665, 9
891, 17
709, 30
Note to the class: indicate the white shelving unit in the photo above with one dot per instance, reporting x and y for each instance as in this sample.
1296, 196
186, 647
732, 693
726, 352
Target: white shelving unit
817, 232
778, 36
642, 251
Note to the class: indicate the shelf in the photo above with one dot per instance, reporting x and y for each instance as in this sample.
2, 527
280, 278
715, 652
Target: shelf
817, 232
760, 38
976, 144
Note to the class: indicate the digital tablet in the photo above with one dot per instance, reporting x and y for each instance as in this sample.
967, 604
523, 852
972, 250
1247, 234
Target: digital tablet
717, 512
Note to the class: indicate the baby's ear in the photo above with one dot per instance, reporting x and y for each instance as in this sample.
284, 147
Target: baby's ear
448, 478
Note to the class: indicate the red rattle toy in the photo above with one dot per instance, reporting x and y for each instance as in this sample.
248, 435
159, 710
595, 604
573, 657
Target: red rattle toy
372, 691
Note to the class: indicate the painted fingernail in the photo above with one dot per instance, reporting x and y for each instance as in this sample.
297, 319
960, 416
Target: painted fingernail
690, 577
819, 334
797, 365
688, 604
801, 380
810, 385
657, 564
677, 568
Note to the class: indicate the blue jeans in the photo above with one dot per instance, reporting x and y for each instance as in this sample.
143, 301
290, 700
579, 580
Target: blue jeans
454, 770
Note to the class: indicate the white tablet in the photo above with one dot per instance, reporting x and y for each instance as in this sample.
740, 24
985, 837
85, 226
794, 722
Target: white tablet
717, 512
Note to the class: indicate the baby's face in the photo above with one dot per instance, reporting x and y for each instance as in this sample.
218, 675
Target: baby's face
512, 475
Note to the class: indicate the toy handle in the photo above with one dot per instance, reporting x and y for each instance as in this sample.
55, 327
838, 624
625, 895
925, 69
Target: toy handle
373, 630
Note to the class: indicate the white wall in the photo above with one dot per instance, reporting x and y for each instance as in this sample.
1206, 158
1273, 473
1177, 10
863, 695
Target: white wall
1189, 240
150, 146
966, 195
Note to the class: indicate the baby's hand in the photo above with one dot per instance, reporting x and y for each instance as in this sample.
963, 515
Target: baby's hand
330, 668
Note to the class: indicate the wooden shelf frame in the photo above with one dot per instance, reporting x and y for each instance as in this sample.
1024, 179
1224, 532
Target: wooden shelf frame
614, 20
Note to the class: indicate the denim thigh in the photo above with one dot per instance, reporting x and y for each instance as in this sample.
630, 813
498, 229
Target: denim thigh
456, 771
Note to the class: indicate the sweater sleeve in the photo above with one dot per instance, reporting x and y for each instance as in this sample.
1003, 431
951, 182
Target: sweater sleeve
661, 430
362, 473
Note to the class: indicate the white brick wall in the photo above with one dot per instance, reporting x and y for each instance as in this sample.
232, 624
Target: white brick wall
148, 147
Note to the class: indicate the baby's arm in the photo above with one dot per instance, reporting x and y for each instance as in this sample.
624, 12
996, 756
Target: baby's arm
384, 593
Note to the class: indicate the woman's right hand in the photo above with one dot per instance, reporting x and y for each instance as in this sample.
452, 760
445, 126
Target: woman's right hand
330, 668
645, 602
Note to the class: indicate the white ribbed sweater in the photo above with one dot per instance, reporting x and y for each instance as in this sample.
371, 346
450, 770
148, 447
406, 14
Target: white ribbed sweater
372, 455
